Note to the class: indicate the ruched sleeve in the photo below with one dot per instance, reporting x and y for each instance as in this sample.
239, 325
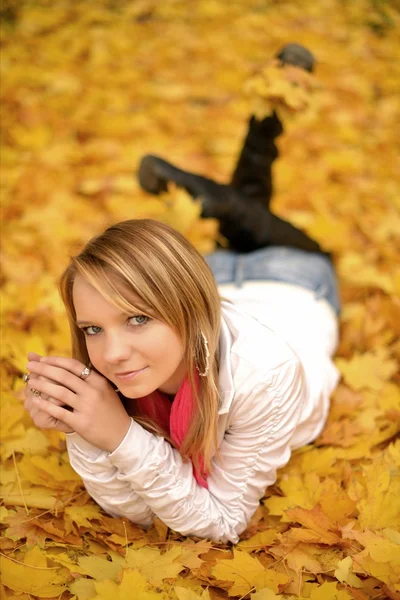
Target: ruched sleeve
102, 481
256, 444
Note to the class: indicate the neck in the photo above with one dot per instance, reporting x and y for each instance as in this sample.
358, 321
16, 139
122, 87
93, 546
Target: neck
172, 385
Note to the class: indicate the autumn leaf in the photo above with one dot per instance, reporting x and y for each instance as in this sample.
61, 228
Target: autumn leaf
370, 370
265, 594
190, 553
344, 573
187, 594
81, 515
329, 591
247, 573
153, 565
33, 576
379, 507
132, 580
258, 541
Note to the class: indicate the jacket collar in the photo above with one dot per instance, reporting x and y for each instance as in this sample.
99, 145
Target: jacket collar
225, 372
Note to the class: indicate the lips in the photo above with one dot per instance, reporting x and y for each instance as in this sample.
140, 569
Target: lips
129, 374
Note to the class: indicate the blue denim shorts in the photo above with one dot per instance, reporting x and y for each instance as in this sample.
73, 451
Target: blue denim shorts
309, 270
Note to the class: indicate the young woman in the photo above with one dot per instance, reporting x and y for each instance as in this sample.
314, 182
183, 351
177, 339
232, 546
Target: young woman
220, 392
191, 380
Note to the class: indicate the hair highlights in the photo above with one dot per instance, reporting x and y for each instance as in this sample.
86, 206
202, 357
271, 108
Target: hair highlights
175, 285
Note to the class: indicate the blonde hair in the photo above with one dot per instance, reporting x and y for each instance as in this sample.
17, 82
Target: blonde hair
167, 273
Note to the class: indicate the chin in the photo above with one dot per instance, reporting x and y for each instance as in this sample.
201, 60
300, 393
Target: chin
138, 392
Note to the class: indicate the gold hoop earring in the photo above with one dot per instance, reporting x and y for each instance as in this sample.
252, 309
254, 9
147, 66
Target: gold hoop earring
207, 355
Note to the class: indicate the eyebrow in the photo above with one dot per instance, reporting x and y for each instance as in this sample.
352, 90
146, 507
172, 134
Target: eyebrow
121, 314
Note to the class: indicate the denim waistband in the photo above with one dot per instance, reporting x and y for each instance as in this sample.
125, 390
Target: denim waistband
309, 270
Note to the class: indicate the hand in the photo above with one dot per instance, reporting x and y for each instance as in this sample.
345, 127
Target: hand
41, 418
98, 414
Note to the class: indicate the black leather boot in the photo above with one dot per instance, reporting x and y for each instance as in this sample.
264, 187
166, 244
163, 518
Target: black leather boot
247, 224
252, 174
242, 207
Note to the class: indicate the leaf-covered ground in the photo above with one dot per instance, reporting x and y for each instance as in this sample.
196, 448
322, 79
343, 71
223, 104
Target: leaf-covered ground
88, 88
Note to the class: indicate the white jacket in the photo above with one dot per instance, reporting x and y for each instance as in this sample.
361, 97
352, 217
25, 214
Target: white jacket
268, 407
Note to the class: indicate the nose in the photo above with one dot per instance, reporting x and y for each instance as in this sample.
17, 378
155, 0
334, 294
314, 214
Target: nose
117, 348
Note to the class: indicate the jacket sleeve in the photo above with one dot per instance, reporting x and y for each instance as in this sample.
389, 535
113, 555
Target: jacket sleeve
101, 480
255, 445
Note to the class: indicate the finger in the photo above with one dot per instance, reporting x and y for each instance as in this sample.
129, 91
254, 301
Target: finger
72, 365
55, 411
55, 401
45, 421
56, 391
29, 393
61, 426
34, 356
57, 375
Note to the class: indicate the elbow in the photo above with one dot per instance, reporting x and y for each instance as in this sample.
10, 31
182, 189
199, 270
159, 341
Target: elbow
203, 522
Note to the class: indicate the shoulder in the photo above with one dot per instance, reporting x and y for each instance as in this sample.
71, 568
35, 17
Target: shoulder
256, 364
252, 342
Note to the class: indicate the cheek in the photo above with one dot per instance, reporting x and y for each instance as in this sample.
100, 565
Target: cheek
165, 346
95, 354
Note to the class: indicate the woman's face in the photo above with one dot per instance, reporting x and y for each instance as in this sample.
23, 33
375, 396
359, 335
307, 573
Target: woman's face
120, 344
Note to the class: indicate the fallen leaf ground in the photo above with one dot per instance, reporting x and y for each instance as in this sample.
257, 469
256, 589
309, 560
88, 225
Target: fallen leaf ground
87, 89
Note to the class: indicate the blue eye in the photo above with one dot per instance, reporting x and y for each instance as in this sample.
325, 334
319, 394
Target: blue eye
140, 320
135, 321
87, 332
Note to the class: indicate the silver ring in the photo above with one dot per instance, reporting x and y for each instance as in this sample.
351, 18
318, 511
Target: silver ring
26, 377
36, 392
85, 373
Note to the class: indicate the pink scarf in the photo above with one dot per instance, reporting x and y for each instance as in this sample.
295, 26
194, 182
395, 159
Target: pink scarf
173, 417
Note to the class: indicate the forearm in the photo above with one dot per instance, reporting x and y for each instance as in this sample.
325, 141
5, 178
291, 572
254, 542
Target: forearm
256, 444
160, 477
102, 481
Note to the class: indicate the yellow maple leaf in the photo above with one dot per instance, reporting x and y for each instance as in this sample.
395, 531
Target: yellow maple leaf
382, 547
344, 573
188, 594
357, 271
332, 233
11, 414
380, 507
33, 576
303, 491
369, 370
335, 501
246, 573
83, 588
329, 591
81, 515
153, 565
265, 594
319, 461
299, 559
132, 583
258, 541
4, 513
33, 442
53, 466
96, 566
383, 571
191, 551
182, 211
274, 87
316, 521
